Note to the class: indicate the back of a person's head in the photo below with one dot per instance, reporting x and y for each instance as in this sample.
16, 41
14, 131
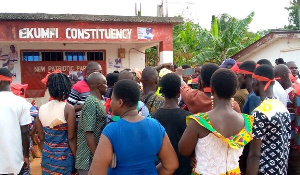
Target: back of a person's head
224, 82
170, 85
280, 61
111, 79
127, 69
186, 66
128, 91
282, 71
5, 72
264, 62
125, 75
92, 65
207, 71
59, 86
73, 77
149, 74
265, 71
248, 66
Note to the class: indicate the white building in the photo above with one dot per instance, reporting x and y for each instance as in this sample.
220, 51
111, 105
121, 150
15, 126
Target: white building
277, 44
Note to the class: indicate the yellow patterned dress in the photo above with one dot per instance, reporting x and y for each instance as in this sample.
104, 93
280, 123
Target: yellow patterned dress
216, 154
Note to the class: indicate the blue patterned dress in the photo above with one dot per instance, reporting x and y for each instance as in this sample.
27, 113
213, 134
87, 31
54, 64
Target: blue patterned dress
57, 157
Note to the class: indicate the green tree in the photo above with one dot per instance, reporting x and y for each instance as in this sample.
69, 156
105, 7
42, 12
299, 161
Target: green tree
293, 10
151, 56
193, 44
185, 42
226, 37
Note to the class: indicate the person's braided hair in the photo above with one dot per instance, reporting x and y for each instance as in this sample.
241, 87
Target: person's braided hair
59, 86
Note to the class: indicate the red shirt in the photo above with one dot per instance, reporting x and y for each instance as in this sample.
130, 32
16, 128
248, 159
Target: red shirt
198, 102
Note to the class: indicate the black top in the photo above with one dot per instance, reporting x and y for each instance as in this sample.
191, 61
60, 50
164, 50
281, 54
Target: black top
174, 121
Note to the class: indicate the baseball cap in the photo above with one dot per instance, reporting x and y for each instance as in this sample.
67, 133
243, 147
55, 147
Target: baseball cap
227, 62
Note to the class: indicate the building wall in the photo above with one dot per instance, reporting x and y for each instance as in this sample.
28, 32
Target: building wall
133, 58
83, 35
288, 49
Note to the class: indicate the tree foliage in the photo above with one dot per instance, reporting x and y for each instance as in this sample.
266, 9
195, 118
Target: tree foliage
293, 15
195, 45
151, 56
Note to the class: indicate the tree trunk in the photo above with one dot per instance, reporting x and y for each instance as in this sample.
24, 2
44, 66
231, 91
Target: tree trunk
223, 56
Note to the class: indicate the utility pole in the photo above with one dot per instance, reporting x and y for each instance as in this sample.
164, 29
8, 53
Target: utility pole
167, 10
160, 9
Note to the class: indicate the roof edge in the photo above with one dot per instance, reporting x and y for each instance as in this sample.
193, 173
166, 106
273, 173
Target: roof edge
85, 17
271, 35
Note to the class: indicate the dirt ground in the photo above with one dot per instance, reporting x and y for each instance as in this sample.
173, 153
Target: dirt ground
36, 167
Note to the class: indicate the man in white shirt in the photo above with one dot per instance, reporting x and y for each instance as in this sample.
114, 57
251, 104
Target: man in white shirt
14, 120
280, 93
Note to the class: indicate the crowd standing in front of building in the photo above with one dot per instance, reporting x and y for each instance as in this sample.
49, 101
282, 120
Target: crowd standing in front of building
131, 128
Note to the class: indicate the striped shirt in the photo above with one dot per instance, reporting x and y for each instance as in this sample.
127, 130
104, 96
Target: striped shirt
79, 92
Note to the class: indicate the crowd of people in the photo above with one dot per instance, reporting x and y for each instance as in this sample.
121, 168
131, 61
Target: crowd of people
233, 118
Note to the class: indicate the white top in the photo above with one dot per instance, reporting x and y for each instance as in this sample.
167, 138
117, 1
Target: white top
52, 111
14, 112
213, 155
280, 93
287, 91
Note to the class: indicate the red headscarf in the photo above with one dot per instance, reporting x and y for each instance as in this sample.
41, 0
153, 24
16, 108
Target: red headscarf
44, 80
19, 89
235, 67
241, 71
261, 78
4, 78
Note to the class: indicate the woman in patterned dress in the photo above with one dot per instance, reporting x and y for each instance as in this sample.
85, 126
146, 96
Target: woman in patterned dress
218, 136
56, 127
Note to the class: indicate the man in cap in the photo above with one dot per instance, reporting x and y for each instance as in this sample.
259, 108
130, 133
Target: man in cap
228, 63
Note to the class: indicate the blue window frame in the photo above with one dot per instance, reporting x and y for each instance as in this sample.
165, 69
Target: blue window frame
75, 56
31, 56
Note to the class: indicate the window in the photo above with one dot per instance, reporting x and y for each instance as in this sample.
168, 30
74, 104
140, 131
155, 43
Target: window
75, 56
52, 56
43, 55
31, 56
95, 56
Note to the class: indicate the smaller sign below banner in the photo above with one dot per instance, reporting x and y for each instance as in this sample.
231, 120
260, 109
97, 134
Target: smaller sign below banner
118, 63
145, 33
110, 63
